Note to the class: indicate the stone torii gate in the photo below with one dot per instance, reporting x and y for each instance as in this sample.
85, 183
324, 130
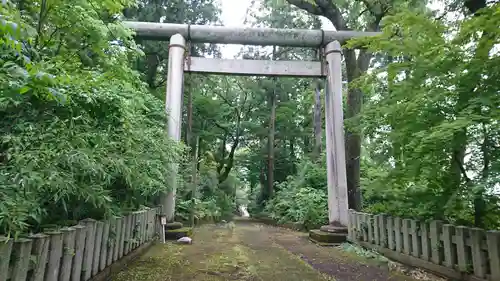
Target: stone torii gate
330, 69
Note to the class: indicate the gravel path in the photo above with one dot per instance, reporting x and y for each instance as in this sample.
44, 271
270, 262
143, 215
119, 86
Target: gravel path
330, 261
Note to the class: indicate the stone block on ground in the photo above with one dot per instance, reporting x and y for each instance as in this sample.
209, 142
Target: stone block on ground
333, 229
173, 225
175, 234
326, 238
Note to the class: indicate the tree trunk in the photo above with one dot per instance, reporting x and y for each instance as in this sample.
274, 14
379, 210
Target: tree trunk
318, 121
355, 68
292, 155
230, 160
459, 142
221, 156
193, 153
194, 180
262, 173
317, 114
189, 130
270, 144
479, 202
270, 138
152, 66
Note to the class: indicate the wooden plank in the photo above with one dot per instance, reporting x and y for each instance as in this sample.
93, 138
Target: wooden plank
493, 242
133, 235
376, 230
363, 228
139, 228
254, 67
425, 240
406, 236
128, 231
461, 233
146, 225
80, 237
478, 262
369, 223
390, 233
153, 223
5, 253
40, 251
351, 226
435, 238
415, 238
21, 261
450, 258
55, 254
150, 224
359, 226
122, 238
111, 241
88, 254
156, 221
97, 250
67, 253
397, 233
137, 234
382, 226
142, 223
118, 235
104, 246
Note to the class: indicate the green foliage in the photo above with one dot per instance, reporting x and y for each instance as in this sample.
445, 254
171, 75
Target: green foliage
432, 112
302, 198
80, 134
212, 201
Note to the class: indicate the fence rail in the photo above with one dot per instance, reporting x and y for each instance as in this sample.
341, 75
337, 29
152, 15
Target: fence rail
75, 253
457, 252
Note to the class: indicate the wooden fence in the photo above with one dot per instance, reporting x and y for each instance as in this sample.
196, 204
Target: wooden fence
75, 253
456, 252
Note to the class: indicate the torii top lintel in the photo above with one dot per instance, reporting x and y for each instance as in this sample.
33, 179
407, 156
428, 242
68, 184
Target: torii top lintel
243, 36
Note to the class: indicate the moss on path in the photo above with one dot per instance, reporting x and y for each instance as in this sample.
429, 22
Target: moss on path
250, 252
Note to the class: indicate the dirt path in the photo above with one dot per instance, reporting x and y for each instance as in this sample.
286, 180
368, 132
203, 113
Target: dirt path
252, 252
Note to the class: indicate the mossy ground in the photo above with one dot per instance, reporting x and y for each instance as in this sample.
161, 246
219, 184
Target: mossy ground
252, 252
219, 253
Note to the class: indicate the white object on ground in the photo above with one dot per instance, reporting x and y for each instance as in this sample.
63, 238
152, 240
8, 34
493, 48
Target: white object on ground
185, 240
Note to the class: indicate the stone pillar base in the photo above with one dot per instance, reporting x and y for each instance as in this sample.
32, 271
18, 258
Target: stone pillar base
329, 235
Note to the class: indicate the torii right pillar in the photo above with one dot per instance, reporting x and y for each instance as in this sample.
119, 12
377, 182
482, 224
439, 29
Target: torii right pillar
336, 231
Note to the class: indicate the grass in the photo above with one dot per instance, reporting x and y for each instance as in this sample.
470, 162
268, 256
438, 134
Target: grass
220, 254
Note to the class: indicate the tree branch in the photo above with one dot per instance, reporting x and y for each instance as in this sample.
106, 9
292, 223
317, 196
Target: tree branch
324, 8
307, 6
456, 159
227, 168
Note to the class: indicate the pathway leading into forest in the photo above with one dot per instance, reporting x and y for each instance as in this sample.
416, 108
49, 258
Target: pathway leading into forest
253, 252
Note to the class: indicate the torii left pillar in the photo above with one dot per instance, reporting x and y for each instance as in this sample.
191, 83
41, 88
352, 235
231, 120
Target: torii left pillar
173, 106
